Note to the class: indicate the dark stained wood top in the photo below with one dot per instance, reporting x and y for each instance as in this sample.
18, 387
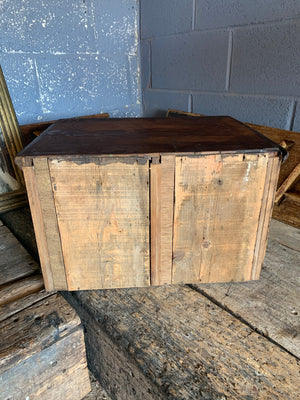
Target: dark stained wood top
136, 136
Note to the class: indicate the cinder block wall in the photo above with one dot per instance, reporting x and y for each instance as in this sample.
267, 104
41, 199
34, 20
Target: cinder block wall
233, 57
70, 58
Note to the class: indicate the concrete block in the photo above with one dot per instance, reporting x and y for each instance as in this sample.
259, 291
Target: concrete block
220, 13
49, 26
145, 60
296, 125
165, 17
191, 61
116, 25
20, 75
267, 111
81, 85
156, 102
266, 59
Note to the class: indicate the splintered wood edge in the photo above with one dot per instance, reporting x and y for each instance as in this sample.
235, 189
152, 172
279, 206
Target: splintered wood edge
272, 175
39, 227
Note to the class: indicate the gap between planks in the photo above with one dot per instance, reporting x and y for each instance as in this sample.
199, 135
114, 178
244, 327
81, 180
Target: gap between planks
240, 318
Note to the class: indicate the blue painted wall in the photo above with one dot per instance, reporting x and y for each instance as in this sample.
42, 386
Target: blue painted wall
70, 58
234, 57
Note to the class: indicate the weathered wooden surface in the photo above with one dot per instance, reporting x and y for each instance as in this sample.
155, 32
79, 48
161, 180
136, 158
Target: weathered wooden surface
102, 210
57, 372
21, 288
15, 262
42, 353
285, 234
42, 183
186, 347
218, 200
20, 304
271, 305
40, 227
162, 196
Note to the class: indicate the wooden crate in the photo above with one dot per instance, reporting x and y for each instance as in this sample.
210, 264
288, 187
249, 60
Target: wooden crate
138, 202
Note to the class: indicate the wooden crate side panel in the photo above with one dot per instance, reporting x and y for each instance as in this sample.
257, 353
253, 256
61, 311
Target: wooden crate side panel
39, 226
47, 206
217, 206
162, 197
103, 215
272, 175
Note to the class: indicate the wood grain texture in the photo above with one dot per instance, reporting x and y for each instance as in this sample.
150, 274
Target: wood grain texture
21, 288
13, 254
285, 234
288, 212
272, 173
39, 226
49, 218
49, 320
103, 215
30, 131
185, 345
58, 372
152, 136
162, 198
9, 309
271, 304
217, 206
293, 177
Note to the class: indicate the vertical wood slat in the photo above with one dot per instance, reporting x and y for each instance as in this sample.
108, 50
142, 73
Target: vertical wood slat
162, 204
38, 224
217, 207
102, 209
272, 175
55, 255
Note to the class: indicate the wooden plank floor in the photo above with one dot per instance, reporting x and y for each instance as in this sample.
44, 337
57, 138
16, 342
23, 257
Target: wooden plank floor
229, 341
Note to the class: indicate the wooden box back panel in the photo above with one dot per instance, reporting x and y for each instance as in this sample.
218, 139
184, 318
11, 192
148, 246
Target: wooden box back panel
126, 203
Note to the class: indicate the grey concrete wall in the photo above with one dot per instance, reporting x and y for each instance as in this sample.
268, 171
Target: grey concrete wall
70, 58
215, 57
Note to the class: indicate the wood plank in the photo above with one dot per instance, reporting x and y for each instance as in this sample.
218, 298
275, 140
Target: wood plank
39, 226
185, 345
57, 372
18, 305
30, 131
162, 199
103, 215
152, 136
13, 254
288, 212
20, 288
285, 234
271, 180
270, 305
288, 183
45, 197
35, 328
217, 206
293, 196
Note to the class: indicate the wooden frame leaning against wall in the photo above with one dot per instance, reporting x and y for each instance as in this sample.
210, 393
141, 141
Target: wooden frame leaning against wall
12, 189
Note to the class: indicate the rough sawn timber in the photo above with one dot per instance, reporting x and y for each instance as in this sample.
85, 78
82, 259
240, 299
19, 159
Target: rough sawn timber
184, 345
271, 305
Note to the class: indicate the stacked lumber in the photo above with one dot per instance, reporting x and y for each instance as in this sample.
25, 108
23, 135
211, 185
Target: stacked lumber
42, 351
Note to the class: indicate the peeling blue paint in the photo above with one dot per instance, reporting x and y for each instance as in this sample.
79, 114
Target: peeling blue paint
71, 58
